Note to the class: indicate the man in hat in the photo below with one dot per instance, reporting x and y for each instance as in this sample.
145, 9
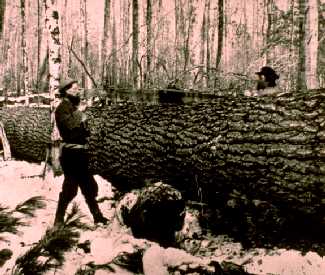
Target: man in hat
266, 83
71, 123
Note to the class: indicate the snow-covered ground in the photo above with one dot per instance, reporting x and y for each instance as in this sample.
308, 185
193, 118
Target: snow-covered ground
19, 182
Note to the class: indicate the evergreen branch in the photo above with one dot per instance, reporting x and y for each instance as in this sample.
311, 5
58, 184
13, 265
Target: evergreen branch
48, 253
9, 223
91, 268
29, 206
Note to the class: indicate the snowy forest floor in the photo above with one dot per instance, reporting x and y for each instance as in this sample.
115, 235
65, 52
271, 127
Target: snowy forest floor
19, 182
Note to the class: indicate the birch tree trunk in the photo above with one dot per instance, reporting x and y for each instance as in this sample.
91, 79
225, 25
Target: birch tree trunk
103, 56
24, 50
311, 44
52, 24
135, 42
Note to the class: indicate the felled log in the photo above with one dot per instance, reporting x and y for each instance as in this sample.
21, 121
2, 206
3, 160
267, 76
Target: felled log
240, 153
265, 154
28, 132
250, 144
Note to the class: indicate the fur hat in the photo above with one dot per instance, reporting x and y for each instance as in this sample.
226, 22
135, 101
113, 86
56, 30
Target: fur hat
65, 84
268, 72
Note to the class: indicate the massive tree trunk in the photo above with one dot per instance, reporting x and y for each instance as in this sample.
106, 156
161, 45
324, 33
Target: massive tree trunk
28, 132
235, 154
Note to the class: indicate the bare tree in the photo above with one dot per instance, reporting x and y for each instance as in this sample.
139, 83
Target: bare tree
301, 80
39, 40
2, 14
135, 42
103, 56
208, 58
84, 39
311, 44
220, 32
24, 50
149, 41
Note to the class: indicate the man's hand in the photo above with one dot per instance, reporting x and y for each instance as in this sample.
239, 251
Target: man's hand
82, 106
83, 117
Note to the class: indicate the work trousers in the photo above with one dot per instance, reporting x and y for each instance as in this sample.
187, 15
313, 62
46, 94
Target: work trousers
74, 163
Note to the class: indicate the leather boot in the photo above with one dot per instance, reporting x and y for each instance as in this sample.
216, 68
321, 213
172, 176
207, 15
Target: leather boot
95, 211
60, 211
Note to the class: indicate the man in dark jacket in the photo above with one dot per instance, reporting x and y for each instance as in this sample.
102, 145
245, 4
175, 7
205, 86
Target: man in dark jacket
74, 158
266, 83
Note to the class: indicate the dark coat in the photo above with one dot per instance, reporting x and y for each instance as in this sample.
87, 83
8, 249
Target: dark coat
68, 120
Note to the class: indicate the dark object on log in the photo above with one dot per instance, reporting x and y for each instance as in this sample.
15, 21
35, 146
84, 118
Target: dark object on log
171, 96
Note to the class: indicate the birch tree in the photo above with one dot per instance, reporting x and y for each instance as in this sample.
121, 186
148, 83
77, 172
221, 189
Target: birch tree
311, 44
52, 24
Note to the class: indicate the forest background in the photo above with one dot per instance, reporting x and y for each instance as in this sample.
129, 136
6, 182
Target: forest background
149, 44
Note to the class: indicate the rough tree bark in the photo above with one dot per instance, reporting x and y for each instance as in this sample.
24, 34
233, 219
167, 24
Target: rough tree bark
232, 153
27, 131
